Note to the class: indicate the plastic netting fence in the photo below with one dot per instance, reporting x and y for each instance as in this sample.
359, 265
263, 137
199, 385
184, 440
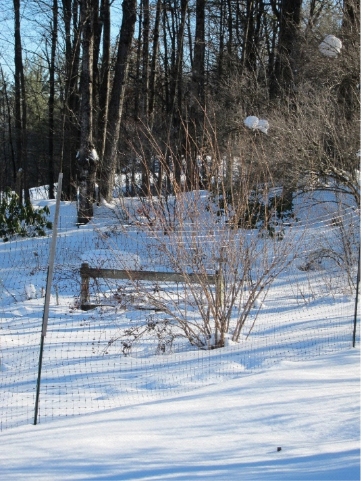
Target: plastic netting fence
89, 360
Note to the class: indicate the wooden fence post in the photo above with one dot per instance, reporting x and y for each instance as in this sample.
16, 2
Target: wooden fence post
219, 301
84, 289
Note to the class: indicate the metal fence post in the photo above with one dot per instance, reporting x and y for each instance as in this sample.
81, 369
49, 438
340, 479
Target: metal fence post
47, 294
356, 299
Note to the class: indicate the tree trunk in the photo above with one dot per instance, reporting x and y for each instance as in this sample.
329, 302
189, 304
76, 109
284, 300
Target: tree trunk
176, 140
11, 177
20, 108
52, 99
145, 57
87, 159
282, 81
197, 107
104, 84
198, 66
349, 92
117, 98
254, 13
70, 127
145, 165
152, 77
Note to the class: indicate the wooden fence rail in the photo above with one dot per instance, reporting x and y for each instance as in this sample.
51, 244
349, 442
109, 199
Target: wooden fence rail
87, 272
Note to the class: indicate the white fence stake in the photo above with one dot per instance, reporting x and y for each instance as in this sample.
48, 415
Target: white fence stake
47, 293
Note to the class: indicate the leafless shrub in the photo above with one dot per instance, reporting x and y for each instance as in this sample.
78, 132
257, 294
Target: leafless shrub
238, 230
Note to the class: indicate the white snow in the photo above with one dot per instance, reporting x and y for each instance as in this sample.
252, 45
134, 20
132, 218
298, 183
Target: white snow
251, 122
263, 126
228, 431
197, 416
331, 46
93, 155
30, 291
254, 123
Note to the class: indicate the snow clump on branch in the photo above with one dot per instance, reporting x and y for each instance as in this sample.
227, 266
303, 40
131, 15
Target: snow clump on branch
254, 123
330, 46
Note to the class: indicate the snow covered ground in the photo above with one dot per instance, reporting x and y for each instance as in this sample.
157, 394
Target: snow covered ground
284, 405
226, 431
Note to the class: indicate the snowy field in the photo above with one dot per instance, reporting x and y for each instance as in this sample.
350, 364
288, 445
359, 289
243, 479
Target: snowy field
227, 431
284, 403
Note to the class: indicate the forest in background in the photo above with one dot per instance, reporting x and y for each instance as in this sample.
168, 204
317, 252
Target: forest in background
94, 88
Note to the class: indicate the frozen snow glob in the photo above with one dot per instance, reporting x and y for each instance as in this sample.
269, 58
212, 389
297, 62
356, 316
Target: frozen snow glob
254, 123
331, 46
30, 291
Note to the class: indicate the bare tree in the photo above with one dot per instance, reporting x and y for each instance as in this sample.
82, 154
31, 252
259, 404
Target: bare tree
104, 81
51, 101
10, 170
197, 107
153, 67
20, 109
109, 162
69, 125
87, 157
289, 15
349, 92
